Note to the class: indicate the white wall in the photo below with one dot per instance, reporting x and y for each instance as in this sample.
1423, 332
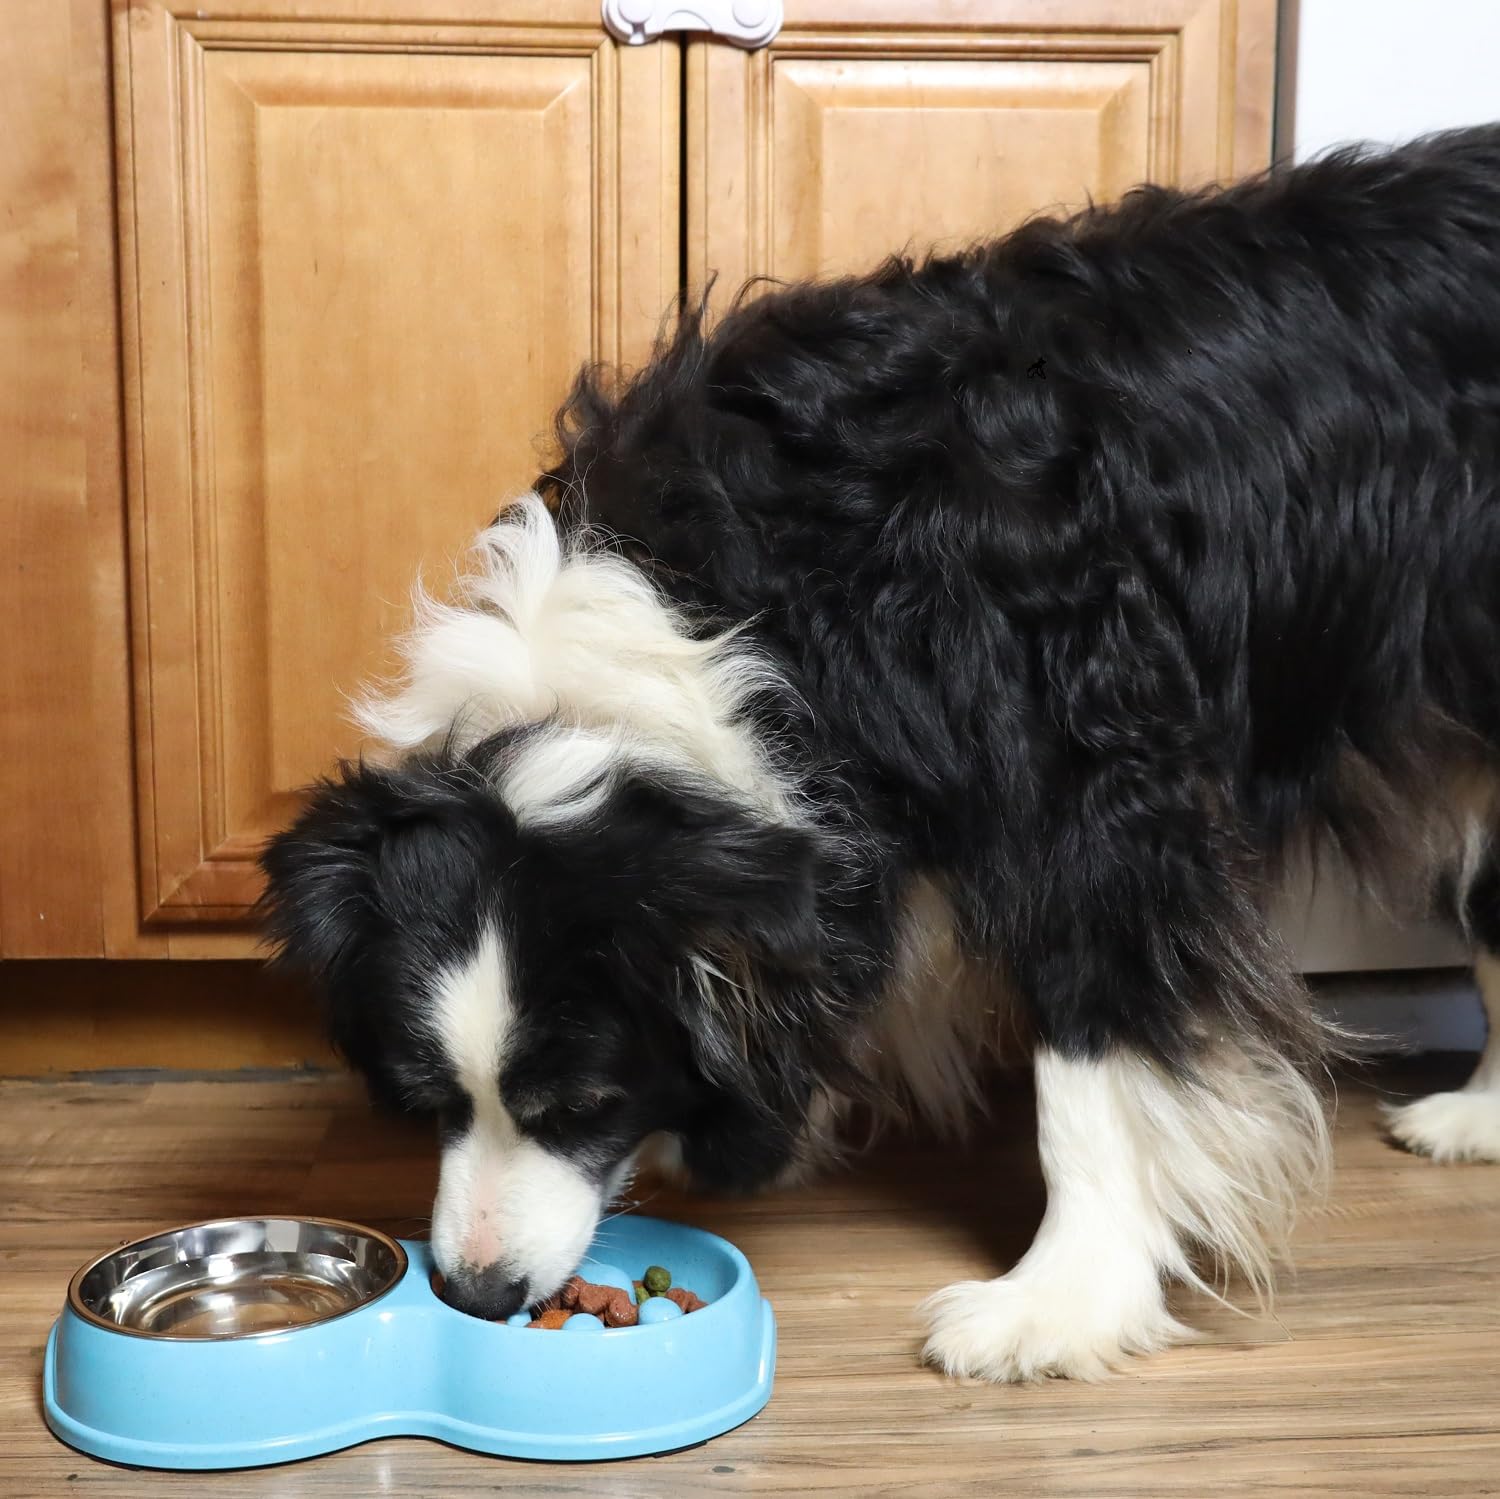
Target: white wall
1386, 70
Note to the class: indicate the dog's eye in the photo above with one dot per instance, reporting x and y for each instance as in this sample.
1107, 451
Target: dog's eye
422, 1094
571, 1107
585, 1105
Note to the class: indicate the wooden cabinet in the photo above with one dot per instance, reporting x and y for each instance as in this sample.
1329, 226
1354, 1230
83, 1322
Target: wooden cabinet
363, 259
863, 129
356, 251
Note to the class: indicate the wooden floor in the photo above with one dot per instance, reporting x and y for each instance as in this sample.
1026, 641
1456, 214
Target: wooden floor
1379, 1373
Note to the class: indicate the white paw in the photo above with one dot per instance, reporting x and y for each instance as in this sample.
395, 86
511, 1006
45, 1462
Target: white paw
1030, 1325
1449, 1126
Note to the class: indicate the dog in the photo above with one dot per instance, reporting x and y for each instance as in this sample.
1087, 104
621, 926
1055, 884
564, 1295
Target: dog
909, 666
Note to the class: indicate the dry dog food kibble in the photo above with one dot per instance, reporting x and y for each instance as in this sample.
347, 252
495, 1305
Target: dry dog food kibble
620, 1309
612, 1305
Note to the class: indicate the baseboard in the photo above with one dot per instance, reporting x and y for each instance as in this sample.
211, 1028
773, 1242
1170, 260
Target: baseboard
61, 1016
1411, 1011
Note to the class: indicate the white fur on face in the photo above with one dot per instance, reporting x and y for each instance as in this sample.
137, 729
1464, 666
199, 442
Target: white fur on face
543, 629
1140, 1168
502, 1198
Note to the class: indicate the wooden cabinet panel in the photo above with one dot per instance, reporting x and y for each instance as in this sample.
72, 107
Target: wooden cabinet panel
363, 264
979, 144
911, 125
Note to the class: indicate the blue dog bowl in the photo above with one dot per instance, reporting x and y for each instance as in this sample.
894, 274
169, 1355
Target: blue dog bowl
253, 1341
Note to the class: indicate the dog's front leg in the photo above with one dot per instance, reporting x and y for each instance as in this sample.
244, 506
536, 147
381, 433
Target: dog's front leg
1144, 1167
1174, 1044
1090, 1289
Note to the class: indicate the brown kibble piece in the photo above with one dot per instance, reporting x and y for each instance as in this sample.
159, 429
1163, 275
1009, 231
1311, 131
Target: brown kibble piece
620, 1309
593, 1299
568, 1296
552, 1319
435, 1280
689, 1301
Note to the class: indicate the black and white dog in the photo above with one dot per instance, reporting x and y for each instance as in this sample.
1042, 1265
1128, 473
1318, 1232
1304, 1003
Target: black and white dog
912, 662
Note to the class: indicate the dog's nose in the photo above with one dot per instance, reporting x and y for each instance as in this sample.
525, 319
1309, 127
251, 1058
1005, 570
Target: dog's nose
491, 1293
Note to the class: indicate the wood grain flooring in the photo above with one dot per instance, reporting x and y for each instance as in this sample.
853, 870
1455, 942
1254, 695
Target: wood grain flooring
1378, 1373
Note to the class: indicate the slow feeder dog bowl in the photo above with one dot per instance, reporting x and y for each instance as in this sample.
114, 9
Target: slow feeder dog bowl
258, 1340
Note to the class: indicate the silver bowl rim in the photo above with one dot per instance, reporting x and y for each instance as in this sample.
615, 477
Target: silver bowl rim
75, 1299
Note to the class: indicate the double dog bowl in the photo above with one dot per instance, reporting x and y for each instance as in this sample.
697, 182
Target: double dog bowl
259, 1340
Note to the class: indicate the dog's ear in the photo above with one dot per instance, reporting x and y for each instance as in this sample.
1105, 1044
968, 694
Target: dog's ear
321, 909
718, 903
373, 847
719, 869
692, 870
374, 853
321, 899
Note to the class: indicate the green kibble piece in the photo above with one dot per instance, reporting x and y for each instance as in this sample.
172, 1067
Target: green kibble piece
642, 1295
656, 1280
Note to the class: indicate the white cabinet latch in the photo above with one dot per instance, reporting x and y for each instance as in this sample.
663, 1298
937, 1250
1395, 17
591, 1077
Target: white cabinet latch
747, 23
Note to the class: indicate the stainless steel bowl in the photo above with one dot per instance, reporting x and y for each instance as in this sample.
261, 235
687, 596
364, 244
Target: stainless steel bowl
237, 1278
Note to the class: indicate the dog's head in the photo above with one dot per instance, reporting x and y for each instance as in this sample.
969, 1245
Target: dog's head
557, 949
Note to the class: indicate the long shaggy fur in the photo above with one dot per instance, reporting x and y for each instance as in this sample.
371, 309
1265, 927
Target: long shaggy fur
915, 659
544, 624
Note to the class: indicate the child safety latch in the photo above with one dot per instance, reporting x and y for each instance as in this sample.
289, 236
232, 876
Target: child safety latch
747, 23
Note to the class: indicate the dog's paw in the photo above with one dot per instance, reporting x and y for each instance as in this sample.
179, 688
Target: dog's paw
1028, 1326
1449, 1126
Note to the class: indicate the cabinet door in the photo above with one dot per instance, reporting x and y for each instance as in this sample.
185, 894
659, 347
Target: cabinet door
366, 245
863, 129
